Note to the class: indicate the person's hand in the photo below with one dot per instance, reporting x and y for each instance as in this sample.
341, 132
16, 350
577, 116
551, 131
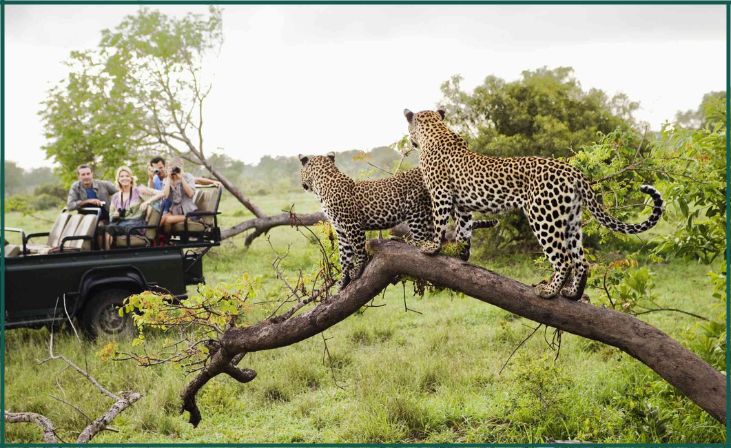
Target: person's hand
143, 205
150, 172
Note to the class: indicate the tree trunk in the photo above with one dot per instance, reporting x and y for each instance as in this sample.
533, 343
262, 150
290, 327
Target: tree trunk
692, 376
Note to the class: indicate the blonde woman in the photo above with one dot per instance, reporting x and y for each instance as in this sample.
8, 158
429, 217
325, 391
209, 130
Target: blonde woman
127, 208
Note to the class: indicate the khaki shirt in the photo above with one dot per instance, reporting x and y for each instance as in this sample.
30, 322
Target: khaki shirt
77, 193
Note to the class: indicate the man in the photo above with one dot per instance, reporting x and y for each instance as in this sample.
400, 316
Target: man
87, 192
156, 174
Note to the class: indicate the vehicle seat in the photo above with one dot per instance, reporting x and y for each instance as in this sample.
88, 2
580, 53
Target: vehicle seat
207, 199
54, 236
68, 230
152, 219
86, 227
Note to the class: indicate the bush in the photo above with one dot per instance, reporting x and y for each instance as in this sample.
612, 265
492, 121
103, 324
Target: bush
57, 191
46, 201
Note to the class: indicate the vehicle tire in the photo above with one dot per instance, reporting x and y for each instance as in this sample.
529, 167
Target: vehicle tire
101, 314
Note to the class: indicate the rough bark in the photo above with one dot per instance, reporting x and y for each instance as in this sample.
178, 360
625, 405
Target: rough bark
125, 400
264, 224
49, 432
692, 376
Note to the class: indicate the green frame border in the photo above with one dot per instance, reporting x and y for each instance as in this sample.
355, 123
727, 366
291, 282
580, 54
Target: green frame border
727, 3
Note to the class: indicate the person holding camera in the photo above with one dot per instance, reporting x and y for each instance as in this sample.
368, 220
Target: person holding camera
179, 189
127, 206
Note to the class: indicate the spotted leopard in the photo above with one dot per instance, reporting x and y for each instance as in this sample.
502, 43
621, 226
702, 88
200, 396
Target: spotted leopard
550, 193
356, 206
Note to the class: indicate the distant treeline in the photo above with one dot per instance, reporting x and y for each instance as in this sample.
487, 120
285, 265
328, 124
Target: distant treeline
270, 175
281, 173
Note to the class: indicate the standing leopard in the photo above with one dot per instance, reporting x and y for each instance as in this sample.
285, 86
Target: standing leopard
356, 206
550, 193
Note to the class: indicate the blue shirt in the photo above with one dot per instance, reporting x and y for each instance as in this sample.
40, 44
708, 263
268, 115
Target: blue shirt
90, 193
157, 182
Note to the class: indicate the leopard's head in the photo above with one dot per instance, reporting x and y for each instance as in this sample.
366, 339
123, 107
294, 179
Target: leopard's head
421, 123
314, 169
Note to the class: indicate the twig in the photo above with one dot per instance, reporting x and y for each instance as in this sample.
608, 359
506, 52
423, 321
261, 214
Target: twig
406, 308
326, 352
652, 310
518, 347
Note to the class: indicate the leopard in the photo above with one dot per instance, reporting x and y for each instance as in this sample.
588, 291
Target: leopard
353, 207
549, 192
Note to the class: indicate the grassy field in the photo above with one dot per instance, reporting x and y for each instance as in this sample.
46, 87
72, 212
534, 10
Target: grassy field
394, 375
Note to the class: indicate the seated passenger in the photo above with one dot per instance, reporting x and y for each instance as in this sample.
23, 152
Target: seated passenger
127, 207
179, 189
87, 192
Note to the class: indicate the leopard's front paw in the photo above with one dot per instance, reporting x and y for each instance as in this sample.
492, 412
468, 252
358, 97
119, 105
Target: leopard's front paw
543, 290
428, 247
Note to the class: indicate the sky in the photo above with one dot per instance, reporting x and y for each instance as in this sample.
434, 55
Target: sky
311, 79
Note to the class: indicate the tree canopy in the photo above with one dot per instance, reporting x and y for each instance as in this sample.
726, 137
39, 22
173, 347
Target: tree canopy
545, 113
139, 92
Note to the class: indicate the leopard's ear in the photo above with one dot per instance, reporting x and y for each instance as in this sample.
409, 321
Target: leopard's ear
331, 156
409, 115
441, 113
303, 159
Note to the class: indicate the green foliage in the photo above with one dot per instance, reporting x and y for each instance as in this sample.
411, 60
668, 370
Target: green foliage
118, 97
20, 181
405, 377
545, 113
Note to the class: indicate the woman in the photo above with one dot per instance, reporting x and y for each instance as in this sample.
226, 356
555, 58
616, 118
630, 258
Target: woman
179, 189
127, 209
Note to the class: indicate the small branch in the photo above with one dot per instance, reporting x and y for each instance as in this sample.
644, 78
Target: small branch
49, 432
530, 335
98, 425
675, 310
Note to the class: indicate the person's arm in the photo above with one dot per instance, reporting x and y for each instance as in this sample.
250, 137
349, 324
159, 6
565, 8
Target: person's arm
206, 181
73, 201
150, 177
187, 188
154, 195
113, 207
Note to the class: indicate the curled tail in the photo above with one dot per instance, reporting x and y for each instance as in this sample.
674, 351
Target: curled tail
609, 221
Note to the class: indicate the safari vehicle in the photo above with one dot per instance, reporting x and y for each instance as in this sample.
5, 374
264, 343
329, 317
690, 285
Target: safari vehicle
70, 277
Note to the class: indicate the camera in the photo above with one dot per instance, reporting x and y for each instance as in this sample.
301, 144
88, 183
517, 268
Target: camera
120, 213
157, 171
175, 170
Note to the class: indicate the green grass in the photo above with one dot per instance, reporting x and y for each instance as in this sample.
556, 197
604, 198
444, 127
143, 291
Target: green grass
394, 376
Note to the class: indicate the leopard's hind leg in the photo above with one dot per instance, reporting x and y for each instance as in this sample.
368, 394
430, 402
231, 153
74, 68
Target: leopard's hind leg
549, 226
463, 220
574, 287
351, 247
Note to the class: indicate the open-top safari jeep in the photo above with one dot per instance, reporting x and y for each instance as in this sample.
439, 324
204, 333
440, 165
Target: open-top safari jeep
64, 274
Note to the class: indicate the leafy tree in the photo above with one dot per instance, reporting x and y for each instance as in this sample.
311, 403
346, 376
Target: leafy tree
711, 110
545, 113
13, 176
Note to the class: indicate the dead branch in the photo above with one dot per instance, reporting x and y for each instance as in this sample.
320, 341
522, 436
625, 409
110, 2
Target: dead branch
262, 225
125, 400
687, 372
49, 432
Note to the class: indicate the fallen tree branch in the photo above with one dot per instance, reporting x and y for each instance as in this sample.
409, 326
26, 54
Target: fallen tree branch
264, 224
49, 432
687, 372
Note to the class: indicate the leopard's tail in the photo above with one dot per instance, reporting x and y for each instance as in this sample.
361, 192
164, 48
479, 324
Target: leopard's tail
484, 223
607, 220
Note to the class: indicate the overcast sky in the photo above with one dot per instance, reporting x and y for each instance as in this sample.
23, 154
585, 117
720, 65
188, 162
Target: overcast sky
312, 79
